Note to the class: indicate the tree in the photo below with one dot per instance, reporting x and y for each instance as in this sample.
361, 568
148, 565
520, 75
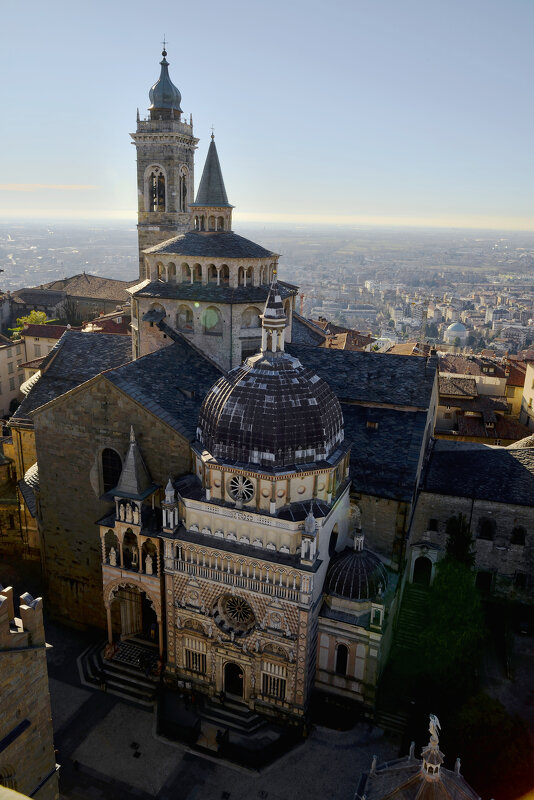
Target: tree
494, 747
460, 540
451, 640
33, 318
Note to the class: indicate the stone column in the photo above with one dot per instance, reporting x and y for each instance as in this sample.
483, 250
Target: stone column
110, 626
160, 630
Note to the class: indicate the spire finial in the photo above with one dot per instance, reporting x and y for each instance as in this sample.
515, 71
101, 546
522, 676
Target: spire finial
212, 133
164, 43
132, 434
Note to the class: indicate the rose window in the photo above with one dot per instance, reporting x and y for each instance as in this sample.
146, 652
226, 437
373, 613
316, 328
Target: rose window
241, 488
234, 615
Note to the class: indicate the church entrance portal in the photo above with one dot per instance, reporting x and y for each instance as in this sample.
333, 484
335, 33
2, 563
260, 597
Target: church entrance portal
137, 617
233, 679
422, 571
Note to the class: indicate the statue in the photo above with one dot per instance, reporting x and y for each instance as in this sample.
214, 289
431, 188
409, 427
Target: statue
112, 556
121, 512
129, 517
178, 622
135, 557
148, 564
210, 631
136, 515
434, 728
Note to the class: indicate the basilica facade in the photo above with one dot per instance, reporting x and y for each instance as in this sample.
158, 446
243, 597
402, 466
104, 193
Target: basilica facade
221, 486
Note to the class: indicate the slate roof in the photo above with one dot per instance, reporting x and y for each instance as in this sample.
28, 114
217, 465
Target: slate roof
372, 377
304, 331
384, 460
211, 191
135, 481
210, 292
470, 365
46, 331
224, 244
170, 383
38, 297
496, 474
356, 575
77, 357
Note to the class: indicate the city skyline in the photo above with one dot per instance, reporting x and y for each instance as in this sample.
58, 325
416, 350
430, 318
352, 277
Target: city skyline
379, 115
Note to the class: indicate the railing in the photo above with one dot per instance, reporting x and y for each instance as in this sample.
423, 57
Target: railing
263, 586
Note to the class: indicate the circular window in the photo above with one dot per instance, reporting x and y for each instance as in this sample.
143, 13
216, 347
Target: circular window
234, 615
241, 488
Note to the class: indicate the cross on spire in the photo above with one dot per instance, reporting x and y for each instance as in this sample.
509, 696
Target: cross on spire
212, 133
164, 43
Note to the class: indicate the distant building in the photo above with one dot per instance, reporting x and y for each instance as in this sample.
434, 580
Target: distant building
455, 331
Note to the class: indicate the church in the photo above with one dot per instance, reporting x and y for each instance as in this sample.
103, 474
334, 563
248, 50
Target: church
220, 485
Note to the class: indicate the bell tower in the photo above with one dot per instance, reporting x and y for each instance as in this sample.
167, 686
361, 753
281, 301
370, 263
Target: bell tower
165, 166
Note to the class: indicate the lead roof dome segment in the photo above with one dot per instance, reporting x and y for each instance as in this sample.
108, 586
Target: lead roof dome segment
164, 94
271, 411
211, 190
356, 575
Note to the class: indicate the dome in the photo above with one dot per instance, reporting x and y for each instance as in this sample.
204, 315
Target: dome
164, 93
271, 411
356, 575
456, 327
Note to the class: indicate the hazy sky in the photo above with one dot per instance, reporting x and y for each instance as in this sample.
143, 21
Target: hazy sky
418, 111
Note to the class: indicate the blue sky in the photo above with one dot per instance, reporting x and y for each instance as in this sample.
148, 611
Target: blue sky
416, 112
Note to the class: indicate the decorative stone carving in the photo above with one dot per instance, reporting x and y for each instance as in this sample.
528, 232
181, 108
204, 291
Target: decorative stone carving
128, 513
284, 549
121, 512
219, 534
257, 543
270, 546
244, 540
136, 515
113, 557
148, 565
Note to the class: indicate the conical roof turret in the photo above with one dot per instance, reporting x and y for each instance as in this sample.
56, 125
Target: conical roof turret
135, 481
211, 191
164, 95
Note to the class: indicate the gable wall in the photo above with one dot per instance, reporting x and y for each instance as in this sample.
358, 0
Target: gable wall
70, 436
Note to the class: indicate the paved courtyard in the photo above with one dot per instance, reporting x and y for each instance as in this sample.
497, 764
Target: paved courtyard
108, 749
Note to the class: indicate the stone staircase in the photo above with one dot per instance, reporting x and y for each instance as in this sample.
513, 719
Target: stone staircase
121, 675
411, 617
232, 715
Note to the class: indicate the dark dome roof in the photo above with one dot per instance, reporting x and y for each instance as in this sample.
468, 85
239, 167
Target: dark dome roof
356, 575
164, 94
225, 244
271, 411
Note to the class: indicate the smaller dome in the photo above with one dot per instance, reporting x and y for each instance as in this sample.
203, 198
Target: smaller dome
164, 93
356, 575
457, 327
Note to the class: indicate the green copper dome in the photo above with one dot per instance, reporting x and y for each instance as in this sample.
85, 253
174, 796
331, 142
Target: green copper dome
164, 94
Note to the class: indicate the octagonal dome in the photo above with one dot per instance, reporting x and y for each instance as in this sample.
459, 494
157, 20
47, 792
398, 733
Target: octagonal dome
271, 412
356, 575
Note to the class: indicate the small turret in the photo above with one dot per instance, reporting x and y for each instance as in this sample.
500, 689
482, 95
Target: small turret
212, 213
273, 323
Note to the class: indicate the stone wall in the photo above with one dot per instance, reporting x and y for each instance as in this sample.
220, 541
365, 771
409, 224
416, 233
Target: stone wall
71, 434
500, 556
28, 761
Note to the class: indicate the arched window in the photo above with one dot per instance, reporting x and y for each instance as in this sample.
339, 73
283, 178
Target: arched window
211, 223
160, 271
486, 529
342, 657
111, 468
185, 273
220, 223
184, 318
171, 272
212, 273
182, 190
212, 321
196, 224
156, 189
518, 535
251, 318
225, 275
197, 273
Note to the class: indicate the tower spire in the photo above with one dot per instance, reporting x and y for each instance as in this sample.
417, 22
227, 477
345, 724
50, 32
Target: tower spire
273, 321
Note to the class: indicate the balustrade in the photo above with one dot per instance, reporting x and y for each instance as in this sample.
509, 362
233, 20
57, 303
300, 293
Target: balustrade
277, 584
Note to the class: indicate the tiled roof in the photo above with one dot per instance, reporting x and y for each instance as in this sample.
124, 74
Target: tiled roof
470, 365
210, 292
93, 286
225, 244
372, 377
76, 358
46, 331
517, 372
38, 297
458, 387
482, 472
